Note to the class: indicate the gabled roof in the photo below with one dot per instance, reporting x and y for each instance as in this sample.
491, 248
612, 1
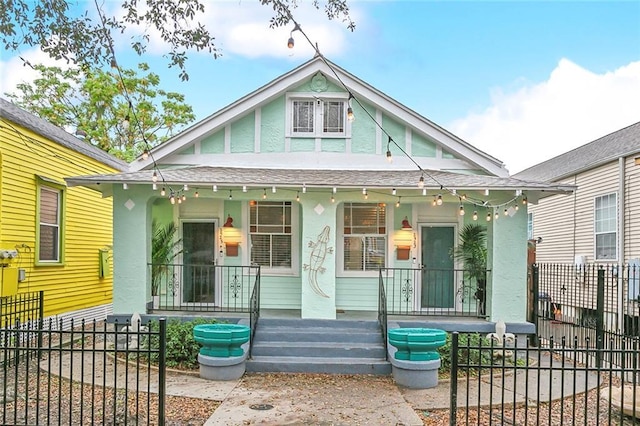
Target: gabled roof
42, 127
338, 76
622, 143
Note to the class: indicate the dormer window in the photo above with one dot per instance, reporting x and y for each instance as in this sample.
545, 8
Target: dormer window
310, 116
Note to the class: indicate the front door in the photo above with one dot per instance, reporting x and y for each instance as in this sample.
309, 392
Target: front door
198, 259
438, 284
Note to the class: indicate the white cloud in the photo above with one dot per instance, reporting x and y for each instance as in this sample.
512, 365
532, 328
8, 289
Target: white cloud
14, 71
242, 28
540, 121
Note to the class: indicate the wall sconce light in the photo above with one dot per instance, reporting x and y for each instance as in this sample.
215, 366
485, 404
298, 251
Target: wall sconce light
231, 237
405, 224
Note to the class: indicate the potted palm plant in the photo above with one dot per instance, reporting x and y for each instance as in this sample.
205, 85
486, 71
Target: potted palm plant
164, 248
472, 253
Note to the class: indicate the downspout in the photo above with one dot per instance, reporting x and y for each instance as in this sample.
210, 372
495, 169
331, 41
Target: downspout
621, 240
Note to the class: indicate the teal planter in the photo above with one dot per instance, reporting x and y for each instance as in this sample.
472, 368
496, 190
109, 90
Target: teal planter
221, 340
417, 344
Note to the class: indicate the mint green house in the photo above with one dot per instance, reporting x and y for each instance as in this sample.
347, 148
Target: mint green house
284, 189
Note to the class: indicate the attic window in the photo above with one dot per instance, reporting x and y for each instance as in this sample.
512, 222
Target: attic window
314, 117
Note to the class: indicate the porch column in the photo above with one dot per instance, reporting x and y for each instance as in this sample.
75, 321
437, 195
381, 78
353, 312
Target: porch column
131, 224
318, 257
507, 293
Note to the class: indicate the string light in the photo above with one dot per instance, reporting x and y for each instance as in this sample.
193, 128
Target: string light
488, 216
145, 154
496, 216
196, 194
298, 196
335, 189
350, 116
393, 191
424, 191
506, 212
125, 186
163, 192
154, 177
273, 189
186, 187
230, 195
398, 202
421, 182
154, 186
333, 200
172, 199
389, 157
524, 201
435, 201
366, 195
184, 197
304, 188
291, 42
244, 188
264, 194
516, 207
475, 215
215, 188
461, 210
439, 200
179, 200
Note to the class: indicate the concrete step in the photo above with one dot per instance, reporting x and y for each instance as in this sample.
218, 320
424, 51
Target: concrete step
268, 334
318, 323
319, 349
325, 365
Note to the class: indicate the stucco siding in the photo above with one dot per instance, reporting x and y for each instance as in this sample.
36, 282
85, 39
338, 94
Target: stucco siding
397, 132
213, 144
363, 135
421, 146
243, 136
272, 124
87, 223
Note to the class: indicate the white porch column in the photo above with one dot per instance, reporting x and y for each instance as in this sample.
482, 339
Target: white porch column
507, 292
318, 257
131, 241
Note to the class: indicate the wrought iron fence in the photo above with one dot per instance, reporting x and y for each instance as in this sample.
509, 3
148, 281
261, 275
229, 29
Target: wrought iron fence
427, 291
254, 310
526, 385
90, 374
203, 288
382, 312
599, 303
25, 308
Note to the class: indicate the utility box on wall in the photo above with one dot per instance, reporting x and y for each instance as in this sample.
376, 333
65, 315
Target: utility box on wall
8, 281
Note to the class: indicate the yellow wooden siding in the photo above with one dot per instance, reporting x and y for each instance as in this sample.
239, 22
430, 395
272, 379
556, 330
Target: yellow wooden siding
87, 221
632, 209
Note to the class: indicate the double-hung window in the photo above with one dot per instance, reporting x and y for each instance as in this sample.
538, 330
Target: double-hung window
315, 117
270, 224
49, 232
365, 236
606, 224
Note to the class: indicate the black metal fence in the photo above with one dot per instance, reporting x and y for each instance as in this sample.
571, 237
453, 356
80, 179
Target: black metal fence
426, 291
91, 374
25, 308
542, 386
203, 288
599, 303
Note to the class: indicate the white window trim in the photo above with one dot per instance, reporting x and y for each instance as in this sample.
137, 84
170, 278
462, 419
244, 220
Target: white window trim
294, 270
595, 234
59, 189
317, 120
340, 271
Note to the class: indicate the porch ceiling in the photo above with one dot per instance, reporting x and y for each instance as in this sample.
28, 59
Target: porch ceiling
234, 177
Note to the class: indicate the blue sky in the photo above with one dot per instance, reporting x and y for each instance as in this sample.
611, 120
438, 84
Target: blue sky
523, 81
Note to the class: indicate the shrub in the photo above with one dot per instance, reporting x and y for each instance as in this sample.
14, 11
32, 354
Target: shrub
466, 352
182, 349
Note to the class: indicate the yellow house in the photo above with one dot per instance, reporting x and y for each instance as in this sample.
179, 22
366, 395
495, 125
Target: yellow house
53, 238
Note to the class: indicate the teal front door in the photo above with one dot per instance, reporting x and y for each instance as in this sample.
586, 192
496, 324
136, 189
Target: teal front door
198, 258
438, 284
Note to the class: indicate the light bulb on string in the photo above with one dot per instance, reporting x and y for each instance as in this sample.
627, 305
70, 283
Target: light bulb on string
439, 200
488, 216
291, 41
273, 189
393, 191
215, 188
496, 216
421, 182
197, 194
154, 177
298, 196
179, 200
506, 212
524, 201
333, 200
350, 116
125, 186
186, 187
163, 192
389, 156
516, 207
230, 195
364, 191
264, 194
475, 215
398, 202
461, 210
304, 188
184, 197
172, 199
125, 123
435, 201
145, 154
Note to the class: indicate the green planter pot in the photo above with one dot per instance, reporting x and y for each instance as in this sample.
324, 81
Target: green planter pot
221, 340
417, 344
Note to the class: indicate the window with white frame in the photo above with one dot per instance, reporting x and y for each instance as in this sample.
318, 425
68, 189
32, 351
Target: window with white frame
365, 236
270, 233
314, 117
49, 224
606, 224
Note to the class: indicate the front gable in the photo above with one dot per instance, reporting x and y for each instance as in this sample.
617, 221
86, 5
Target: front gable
300, 119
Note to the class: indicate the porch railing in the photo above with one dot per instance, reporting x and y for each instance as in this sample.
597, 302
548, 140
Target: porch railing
254, 310
204, 287
427, 291
382, 313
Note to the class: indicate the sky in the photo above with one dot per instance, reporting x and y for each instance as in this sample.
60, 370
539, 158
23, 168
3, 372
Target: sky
523, 81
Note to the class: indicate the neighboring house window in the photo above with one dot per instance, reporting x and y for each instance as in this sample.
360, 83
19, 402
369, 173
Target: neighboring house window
530, 226
365, 236
270, 232
49, 233
312, 117
606, 224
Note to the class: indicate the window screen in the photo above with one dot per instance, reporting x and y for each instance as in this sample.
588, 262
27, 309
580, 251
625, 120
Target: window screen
365, 240
270, 231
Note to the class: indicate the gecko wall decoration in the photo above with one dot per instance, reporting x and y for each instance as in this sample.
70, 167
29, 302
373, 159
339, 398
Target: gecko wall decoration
316, 260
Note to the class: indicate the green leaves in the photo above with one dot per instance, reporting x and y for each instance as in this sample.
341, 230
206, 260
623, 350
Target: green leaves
98, 102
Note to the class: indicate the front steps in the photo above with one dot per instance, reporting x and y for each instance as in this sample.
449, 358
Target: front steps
318, 346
